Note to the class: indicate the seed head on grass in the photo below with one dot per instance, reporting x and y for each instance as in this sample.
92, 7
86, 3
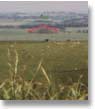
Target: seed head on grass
16, 61
45, 74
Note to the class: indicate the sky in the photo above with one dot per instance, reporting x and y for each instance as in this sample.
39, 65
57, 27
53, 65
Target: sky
40, 6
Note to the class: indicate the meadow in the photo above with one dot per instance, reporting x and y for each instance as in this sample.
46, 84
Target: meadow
44, 70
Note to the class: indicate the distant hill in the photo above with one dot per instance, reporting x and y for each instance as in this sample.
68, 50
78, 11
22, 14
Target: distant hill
63, 18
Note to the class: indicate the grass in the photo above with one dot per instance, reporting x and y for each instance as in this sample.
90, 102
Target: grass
22, 34
44, 71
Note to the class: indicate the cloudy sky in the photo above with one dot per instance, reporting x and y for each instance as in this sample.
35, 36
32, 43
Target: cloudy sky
35, 6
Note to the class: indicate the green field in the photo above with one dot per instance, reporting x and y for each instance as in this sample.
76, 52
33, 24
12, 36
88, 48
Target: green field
64, 63
57, 57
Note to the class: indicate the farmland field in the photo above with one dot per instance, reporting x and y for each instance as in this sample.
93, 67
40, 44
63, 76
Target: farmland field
63, 63
57, 57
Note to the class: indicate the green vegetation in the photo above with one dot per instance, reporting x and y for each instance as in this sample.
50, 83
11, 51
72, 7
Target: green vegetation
44, 70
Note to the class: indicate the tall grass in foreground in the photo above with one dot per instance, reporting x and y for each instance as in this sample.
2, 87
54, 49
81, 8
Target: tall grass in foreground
17, 88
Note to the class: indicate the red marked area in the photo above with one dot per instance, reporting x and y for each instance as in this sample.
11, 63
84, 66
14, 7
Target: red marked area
44, 27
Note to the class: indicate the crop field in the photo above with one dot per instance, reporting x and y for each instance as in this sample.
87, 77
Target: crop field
44, 70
